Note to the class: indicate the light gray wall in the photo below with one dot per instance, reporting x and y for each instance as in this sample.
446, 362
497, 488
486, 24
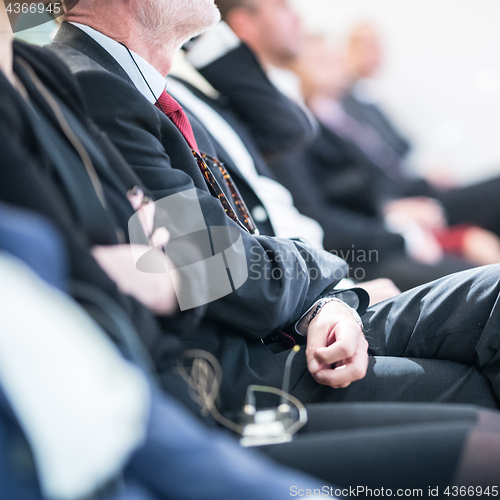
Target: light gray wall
441, 80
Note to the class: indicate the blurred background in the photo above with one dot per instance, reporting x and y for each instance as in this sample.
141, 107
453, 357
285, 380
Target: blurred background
439, 74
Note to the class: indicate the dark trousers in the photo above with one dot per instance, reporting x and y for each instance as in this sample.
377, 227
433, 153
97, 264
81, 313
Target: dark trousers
439, 342
375, 445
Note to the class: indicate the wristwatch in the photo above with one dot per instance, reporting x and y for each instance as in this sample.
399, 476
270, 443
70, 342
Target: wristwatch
304, 322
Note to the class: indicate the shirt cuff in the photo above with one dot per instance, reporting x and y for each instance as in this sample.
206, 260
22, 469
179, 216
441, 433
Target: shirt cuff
212, 45
345, 284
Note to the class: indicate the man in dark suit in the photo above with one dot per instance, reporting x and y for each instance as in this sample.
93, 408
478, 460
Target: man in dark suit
285, 294
160, 154
364, 53
32, 176
96, 211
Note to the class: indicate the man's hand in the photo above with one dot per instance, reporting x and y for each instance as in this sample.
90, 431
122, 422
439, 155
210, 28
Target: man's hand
155, 291
426, 212
337, 351
481, 246
417, 219
424, 247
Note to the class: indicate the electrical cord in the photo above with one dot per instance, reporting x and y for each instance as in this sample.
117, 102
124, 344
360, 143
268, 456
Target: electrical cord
204, 380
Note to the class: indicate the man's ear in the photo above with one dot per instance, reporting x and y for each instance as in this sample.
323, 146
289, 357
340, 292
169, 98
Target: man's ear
242, 21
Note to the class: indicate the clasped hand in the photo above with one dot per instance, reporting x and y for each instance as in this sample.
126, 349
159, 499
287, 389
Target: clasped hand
155, 291
337, 350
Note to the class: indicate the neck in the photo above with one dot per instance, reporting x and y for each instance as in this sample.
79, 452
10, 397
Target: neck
268, 59
122, 28
6, 38
265, 61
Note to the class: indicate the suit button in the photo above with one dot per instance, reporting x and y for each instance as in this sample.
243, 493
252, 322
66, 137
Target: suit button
259, 214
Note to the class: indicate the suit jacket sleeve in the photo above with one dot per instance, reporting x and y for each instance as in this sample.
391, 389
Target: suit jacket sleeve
284, 278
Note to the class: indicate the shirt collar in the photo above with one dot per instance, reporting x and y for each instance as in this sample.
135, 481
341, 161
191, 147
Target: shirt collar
155, 80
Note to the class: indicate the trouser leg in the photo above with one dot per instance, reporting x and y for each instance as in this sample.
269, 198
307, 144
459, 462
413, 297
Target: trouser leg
381, 446
438, 342
453, 319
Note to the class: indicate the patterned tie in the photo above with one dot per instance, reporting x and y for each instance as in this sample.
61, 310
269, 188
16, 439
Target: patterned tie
174, 111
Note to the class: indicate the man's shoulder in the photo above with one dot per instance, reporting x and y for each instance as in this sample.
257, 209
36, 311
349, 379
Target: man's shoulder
100, 85
76, 61
85, 58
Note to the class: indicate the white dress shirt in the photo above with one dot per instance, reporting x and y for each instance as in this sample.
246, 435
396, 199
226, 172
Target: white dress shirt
151, 85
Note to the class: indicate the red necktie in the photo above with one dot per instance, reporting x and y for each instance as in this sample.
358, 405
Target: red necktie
174, 111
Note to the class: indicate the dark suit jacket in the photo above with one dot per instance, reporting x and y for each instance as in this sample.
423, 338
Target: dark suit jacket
285, 278
274, 121
372, 115
161, 158
399, 185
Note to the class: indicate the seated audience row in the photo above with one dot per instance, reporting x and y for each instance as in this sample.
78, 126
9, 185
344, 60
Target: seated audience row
380, 224
435, 344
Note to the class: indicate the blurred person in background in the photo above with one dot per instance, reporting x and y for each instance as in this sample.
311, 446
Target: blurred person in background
342, 192
323, 71
372, 130
364, 59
